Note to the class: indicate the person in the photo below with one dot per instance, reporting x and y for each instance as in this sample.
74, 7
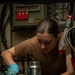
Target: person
43, 47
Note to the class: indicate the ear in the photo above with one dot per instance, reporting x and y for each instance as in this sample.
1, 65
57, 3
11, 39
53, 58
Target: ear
60, 35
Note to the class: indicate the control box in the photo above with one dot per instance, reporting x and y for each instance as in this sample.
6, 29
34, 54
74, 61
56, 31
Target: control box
28, 15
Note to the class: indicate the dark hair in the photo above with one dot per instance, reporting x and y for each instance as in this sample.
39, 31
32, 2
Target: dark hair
48, 25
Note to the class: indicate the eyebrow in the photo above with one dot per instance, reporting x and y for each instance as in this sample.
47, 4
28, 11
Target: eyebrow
45, 40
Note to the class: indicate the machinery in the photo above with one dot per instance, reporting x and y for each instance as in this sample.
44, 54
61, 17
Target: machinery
27, 15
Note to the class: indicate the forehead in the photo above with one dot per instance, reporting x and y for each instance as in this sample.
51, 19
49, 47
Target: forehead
45, 36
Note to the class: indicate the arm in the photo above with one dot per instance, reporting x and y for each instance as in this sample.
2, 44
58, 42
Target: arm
7, 56
70, 70
69, 66
21, 49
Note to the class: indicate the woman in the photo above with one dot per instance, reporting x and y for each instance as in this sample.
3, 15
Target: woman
44, 48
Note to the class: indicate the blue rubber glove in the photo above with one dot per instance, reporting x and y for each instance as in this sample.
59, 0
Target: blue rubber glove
13, 69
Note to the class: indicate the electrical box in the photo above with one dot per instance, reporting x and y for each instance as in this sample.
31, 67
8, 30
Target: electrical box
28, 15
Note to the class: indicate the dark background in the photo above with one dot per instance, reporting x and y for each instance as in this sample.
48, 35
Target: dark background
34, 1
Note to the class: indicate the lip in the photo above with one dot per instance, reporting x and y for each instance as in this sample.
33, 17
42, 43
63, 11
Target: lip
44, 50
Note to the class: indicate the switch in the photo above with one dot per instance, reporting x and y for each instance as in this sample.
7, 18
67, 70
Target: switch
21, 15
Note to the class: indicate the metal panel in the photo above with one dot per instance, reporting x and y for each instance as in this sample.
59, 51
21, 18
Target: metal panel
36, 12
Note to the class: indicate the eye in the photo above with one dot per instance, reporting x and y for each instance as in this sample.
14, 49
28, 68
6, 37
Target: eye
47, 43
39, 41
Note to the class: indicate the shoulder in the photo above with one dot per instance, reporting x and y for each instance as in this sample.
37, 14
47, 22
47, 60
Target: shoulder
33, 38
26, 46
60, 35
68, 50
26, 43
29, 40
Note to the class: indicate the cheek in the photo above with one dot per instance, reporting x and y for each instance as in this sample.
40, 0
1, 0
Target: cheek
52, 45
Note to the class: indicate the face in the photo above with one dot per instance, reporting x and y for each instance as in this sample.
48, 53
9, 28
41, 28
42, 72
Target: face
47, 41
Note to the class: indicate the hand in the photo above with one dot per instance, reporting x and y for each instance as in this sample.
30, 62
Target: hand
13, 69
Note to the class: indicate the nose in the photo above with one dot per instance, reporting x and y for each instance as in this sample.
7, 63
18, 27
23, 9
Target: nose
43, 46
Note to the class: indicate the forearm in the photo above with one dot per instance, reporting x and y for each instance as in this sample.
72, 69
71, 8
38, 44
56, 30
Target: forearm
7, 57
67, 73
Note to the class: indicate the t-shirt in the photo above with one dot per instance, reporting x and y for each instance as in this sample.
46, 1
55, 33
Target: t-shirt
51, 64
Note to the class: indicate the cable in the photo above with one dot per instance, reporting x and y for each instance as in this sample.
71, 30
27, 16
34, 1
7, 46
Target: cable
3, 25
70, 34
67, 38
